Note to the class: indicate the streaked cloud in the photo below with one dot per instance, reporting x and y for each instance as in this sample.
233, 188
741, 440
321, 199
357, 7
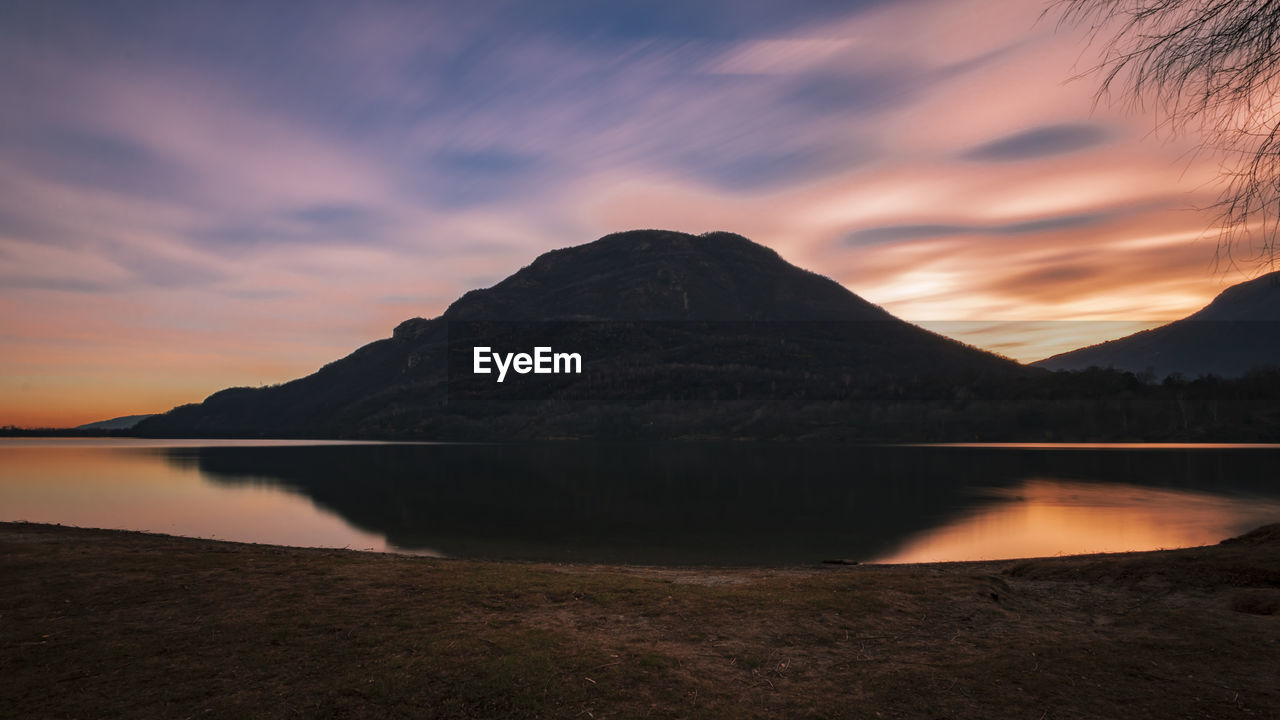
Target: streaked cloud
237, 194
57, 284
1032, 226
785, 56
1039, 142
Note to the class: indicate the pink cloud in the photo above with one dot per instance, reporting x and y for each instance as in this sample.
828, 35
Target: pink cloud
226, 279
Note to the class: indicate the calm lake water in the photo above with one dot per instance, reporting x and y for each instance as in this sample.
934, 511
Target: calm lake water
713, 503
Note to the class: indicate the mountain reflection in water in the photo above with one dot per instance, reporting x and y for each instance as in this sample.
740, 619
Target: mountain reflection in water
763, 504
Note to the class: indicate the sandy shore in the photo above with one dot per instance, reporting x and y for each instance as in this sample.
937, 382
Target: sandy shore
97, 623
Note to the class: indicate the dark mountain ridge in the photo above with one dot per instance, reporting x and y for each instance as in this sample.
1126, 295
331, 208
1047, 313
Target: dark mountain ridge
713, 336
123, 422
654, 275
681, 335
1239, 331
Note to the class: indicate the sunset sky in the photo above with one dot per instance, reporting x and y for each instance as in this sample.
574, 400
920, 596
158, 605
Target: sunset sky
195, 195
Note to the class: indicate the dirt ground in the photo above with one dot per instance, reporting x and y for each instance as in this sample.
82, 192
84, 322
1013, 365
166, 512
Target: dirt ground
98, 624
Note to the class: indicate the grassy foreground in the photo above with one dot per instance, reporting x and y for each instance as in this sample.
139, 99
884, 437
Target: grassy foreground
98, 623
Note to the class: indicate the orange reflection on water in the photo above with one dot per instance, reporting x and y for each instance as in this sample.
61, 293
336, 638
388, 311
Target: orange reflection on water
89, 484
1046, 517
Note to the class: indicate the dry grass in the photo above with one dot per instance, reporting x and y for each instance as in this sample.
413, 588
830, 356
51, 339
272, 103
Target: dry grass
112, 624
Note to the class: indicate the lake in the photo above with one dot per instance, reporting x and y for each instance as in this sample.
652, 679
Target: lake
652, 503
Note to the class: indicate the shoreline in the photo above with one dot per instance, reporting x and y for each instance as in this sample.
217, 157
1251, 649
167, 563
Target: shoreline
816, 565
102, 622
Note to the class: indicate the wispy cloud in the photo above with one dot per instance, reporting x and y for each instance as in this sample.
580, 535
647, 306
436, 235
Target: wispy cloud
1039, 142
1026, 226
58, 284
270, 185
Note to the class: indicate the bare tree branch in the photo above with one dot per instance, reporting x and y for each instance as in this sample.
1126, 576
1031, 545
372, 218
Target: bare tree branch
1211, 66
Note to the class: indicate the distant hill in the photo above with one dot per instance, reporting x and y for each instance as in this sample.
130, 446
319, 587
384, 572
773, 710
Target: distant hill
680, 336
121, 423
1239, 331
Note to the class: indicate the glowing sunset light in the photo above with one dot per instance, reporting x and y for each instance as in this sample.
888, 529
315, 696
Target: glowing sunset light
98, 487
1047, 517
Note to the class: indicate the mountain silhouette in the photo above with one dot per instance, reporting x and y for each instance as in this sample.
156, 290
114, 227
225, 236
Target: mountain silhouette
679, 335
653, 275
1239, 331
124, 422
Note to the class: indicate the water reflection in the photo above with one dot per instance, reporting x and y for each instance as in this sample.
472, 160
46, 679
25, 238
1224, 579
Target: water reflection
1046, 517
672, 503
650, 503
129, 486
767, 504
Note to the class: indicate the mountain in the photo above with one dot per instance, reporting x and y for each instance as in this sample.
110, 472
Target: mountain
678, 335
1239, 331
121, 423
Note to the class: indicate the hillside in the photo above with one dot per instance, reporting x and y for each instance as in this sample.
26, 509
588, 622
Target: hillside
680, 335
124, 422
1230, 336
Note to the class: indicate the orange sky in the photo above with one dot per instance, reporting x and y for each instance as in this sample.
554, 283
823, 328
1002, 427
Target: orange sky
193, 201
